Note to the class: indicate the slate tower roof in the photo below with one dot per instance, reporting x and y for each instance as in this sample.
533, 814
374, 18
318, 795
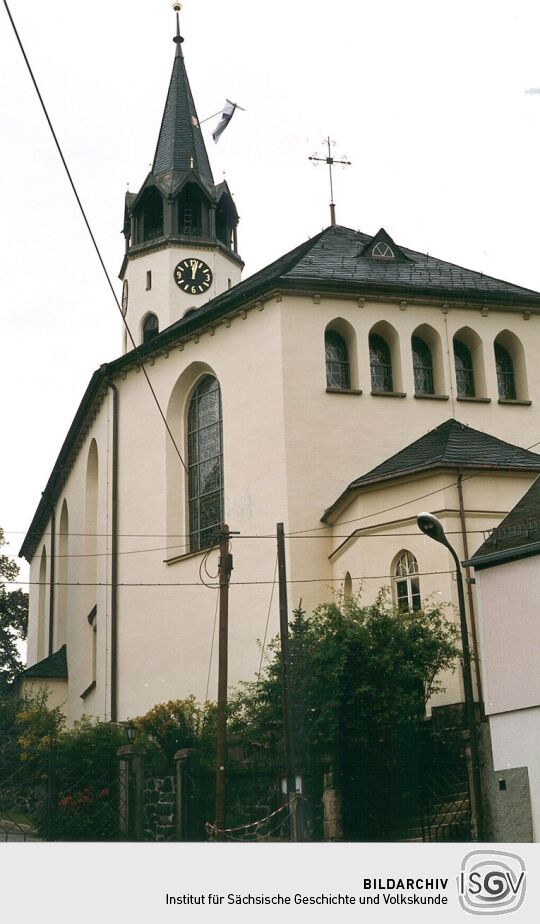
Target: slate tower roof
181, 146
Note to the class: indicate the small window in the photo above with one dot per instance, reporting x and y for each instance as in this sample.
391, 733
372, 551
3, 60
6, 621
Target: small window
422, 367
338, 373
380, 359
464, 370
150, 328
506, 379
383, 251
148, 279
407, 583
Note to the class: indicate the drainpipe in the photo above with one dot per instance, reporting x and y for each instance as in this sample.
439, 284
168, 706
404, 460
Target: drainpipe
114, 550
469, 586
51, 581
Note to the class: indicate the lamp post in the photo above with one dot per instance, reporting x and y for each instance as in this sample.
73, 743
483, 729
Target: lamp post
431, 526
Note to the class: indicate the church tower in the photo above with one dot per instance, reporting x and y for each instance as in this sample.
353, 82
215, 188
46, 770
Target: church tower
180, 228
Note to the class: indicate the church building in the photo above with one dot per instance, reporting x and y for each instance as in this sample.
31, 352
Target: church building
340, 390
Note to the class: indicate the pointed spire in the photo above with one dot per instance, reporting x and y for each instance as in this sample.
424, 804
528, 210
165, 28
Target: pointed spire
180, 146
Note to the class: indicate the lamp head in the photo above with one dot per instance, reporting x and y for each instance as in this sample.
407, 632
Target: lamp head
431, 526
131, 731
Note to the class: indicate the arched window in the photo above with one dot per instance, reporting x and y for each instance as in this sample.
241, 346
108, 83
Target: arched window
380, 360
205, 464
190, 209
407, 582
150, 328
464, 370
506, 379
383, 251
338, 373
149, 216
422, 367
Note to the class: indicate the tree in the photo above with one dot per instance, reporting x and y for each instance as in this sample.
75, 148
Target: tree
360, 678
13, 621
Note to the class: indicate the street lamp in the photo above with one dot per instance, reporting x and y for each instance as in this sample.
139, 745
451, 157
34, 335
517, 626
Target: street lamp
431, 526
131, 731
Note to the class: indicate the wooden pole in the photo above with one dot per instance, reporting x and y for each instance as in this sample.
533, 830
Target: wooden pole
225, 568
285, 680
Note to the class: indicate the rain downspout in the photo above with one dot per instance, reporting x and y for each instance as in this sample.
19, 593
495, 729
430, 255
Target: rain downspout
51, 581
114, 550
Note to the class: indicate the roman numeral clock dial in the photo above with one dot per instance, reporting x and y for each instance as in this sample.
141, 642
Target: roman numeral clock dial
193, 276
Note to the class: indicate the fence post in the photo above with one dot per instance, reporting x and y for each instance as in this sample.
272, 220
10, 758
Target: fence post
332, 806
131, 789
188, 778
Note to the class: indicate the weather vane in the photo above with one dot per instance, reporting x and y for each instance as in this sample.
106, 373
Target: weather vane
330, 161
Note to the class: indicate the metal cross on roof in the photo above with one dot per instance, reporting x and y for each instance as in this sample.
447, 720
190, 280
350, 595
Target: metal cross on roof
330, 161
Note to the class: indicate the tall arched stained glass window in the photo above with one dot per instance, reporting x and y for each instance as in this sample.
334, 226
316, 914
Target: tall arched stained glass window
380, 360
205, 464
407, 582
337, 361
422, 367
506, 380
464, 370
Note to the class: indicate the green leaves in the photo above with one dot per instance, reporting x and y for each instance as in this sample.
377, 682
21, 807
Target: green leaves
13, 621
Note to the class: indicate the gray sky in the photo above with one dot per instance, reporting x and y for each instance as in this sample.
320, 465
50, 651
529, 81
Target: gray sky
427, 100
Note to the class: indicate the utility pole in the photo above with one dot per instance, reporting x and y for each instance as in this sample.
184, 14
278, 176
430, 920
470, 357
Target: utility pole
294, 815
225, 568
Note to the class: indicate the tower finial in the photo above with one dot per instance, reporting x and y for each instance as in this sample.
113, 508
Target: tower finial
178, 38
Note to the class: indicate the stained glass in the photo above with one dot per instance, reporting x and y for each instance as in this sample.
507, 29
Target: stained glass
506, 380
422, 367
381, 364
337, 361
464, 370
205, 457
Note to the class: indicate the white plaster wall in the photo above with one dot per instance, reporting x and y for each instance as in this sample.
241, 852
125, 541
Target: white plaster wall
515, 736
166, 299
510, 634
289, 450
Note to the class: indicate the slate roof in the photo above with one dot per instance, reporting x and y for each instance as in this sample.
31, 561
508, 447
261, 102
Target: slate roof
517, 536
180, 138
341, 256
451, 445
337, 260
52, 668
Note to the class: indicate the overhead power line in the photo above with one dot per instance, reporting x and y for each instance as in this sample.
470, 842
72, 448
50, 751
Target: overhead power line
325, 580
89, 229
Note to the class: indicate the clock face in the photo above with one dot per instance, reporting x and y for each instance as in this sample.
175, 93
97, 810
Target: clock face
193, 276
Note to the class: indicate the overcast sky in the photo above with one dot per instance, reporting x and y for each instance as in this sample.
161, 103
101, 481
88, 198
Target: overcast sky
426, 99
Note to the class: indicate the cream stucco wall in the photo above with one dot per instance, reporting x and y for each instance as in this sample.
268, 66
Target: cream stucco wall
165, 299
290, 449
56, 690
375, 539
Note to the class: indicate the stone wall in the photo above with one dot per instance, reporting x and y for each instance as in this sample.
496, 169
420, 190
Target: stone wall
160, 809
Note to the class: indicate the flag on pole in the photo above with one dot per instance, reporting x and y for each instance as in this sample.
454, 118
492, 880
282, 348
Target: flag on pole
226, 116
